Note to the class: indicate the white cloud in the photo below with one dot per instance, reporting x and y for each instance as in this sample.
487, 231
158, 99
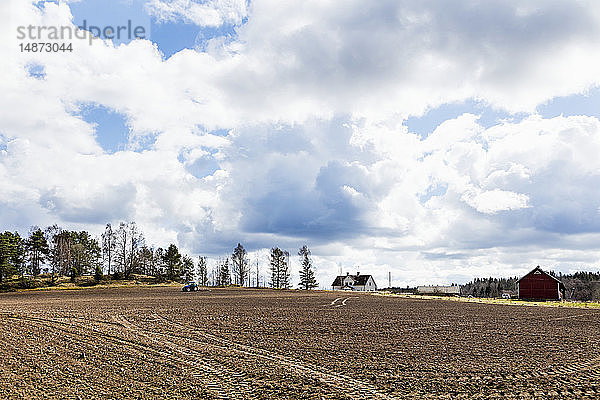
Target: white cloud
313, 98
492, 201
206, 13
403, 57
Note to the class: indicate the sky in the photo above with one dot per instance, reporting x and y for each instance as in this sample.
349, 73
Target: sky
435, 140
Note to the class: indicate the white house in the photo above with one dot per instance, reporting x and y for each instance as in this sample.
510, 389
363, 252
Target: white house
358, 282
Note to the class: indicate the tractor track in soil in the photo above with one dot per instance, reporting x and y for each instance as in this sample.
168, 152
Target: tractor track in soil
561, 378
82, 339
352, 387
227, 383
87, 333
233, 342
223, 384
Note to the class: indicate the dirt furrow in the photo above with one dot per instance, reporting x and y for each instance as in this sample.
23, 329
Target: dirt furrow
351, 386
218, 379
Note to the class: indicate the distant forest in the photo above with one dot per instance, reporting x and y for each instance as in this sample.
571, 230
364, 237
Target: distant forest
122, 253
580, 286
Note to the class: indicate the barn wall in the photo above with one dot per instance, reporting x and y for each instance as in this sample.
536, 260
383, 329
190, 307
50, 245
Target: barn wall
538, 286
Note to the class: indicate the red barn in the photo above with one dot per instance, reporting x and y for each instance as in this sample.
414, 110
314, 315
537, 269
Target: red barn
540, 285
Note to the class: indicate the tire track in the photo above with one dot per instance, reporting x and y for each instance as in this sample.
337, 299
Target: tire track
333, 302
98, 353
569, 377
351, 386
437, 327
210, 375
345, 300
227, 385
569, 317
66, 328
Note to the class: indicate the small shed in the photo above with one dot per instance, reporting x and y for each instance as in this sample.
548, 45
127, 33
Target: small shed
540, 285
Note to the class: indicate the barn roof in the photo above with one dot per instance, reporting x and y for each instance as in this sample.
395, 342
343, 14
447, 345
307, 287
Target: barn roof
538, 268
358, 279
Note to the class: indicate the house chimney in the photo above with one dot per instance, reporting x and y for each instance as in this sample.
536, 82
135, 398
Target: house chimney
347, 273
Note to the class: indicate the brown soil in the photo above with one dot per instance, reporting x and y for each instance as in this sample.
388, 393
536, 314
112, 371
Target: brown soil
157, 342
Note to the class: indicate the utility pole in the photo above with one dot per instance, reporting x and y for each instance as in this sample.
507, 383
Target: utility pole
390, 279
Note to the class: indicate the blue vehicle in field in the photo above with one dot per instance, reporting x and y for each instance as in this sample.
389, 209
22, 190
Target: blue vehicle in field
191, 286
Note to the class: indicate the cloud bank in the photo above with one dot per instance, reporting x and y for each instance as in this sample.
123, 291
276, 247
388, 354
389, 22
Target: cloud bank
294, 132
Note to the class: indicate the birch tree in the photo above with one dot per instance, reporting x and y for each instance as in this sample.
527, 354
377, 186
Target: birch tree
109, 244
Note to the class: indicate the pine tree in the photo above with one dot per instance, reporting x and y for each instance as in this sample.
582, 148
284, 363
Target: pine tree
159, 266
275, 265
279, 269
187, 265
202, 272
145, 261
307, 275
37, 250
240, 264
172, 262
224, 276
12, 254
98, 273
6, 268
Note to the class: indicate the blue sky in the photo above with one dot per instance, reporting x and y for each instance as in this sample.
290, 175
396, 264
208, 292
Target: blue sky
577, 104
169, 36
439, 144
112, 133
113, 13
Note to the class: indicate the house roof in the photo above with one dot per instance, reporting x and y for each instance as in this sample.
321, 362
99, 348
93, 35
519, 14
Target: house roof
358, 279
538, 268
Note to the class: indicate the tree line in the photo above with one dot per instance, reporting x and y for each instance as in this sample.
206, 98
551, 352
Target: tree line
58, 252
239, 271
121, 252
579, 286
490, 287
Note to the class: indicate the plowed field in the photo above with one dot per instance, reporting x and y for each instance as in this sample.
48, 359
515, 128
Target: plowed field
151, 342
